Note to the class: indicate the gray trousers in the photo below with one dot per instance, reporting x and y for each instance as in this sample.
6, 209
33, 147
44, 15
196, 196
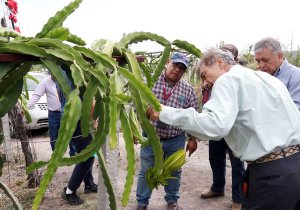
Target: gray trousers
273, 185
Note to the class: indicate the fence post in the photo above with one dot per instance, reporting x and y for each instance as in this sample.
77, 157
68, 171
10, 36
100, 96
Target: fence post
7, 142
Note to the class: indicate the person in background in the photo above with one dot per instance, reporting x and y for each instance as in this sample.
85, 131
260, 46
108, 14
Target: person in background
47, 86
217, 156
170, 89
82, 172
270, 59
260, 122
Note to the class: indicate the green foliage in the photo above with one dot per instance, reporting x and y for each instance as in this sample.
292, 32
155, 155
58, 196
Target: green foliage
148, 128
11, 88
127, 134
59, 33
187, 47
291, 53
142, 89
10, 194
57, 20
8, 33
161, 65
64, 34
107, 182
113, 111
170, 165
58, 75
87, 105
24, 49
68, 124
135, 127
99, 78
1, 158
249, 57
136, 37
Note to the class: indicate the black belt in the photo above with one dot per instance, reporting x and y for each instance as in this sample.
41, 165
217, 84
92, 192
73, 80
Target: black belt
291, 150
166, 139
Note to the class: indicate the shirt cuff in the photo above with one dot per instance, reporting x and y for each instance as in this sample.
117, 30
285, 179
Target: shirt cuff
166, 115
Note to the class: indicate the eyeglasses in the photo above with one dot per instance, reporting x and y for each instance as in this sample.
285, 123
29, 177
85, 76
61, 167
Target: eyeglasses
179, 66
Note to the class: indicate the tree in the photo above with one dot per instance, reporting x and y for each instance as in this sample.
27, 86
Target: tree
16, 117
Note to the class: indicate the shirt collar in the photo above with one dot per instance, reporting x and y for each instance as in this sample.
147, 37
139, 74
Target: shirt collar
282, 66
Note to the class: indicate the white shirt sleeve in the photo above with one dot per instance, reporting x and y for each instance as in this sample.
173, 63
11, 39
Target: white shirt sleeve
38, 93
217, 118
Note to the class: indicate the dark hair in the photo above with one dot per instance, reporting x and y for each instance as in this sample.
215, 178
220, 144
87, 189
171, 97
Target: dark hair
231, 48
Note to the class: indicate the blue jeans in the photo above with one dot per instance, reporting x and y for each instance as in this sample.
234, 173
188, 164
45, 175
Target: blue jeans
82, 171
217, 159
169, 147
54, 124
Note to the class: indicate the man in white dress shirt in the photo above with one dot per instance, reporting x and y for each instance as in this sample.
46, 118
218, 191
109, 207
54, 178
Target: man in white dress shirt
255, 114
47, 86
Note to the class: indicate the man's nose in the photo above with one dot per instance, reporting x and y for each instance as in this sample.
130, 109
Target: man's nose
205, 84
260, 65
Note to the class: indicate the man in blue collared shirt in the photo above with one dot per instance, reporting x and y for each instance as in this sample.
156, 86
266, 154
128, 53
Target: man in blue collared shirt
270, 59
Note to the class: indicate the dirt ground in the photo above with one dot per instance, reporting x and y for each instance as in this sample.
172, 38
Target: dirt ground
196, 178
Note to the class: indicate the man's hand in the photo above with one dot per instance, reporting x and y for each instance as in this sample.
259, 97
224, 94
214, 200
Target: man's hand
95, 123
135, 140
152, 114
191, 145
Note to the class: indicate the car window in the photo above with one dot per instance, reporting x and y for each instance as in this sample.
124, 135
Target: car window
31, 85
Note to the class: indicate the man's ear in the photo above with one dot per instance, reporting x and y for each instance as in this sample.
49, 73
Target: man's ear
220, 62
167, 63
280, 55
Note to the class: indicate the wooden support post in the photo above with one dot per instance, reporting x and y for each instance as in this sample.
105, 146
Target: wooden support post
7, 142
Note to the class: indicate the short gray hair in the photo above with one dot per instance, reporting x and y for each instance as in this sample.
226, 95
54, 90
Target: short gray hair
211, 56
268, 43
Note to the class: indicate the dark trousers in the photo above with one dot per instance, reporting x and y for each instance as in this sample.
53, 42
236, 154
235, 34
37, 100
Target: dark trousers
273, 185
217, 160
82, 171
54, 124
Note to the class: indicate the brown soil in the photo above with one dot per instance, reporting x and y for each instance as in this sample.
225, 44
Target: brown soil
196, 178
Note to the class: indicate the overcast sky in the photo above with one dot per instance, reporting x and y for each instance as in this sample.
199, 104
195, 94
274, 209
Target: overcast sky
202, 23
